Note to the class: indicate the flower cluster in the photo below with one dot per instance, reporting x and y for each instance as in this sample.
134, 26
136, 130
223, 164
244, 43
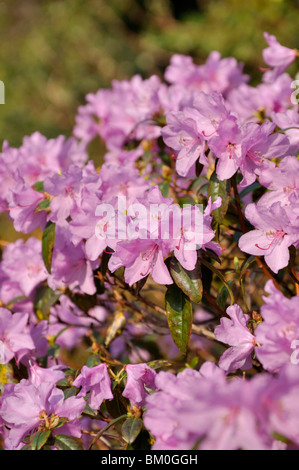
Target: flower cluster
178, 252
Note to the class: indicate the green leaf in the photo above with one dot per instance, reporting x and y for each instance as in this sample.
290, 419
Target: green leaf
158, 364
83, 301
40, 439
93, 361
44, 299
164, 187
43, 205
48, 241
222, 297
70, 392
218, 188
62, 442
131, 429
39, 186
179, 316
90, 411
27, 447
188, 281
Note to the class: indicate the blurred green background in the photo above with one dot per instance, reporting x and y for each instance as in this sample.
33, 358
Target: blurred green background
54, 52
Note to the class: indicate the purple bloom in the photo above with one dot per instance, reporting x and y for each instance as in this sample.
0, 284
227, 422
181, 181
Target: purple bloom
140, 377
15, 339
280, 327
216, 74
277, 56
227, 147
183, 135
28, 407
95, 380
282, 182
260, 146
22, 263
70, 267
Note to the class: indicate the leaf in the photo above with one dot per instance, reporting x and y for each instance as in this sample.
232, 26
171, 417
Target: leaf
27, 447
40, 439
48, 241
179, 316
44, 299
70, 392
218, 188
188, 281
83, 301
158, 364
93, 361
140, 284
90, 411
131, 429
62, 442
39, 186
11, 303
222, 297
164, 187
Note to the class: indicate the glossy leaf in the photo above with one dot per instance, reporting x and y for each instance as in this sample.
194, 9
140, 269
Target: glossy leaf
44, 299
218, 188
62, 442
131, 429
179, 316
188, 281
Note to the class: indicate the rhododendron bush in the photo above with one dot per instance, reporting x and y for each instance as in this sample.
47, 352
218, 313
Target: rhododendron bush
153, 303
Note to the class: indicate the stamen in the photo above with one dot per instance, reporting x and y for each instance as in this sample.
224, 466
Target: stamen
147, 256
276, 237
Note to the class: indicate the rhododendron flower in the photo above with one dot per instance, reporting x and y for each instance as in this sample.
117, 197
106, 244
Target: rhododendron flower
22, 263
277, 56
15, 338
282, 182
227, 147
280, 327
183, 136
95, 380
140, 377
24, 207
28, 407
216, 74
273, 236
260, 146
65, 189
70, 266
235, 333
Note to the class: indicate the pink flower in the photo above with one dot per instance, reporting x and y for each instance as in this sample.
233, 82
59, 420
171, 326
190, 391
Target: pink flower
27, 407
139, 378
15, 339
227, 147
278, 56
280, 327
274, 233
